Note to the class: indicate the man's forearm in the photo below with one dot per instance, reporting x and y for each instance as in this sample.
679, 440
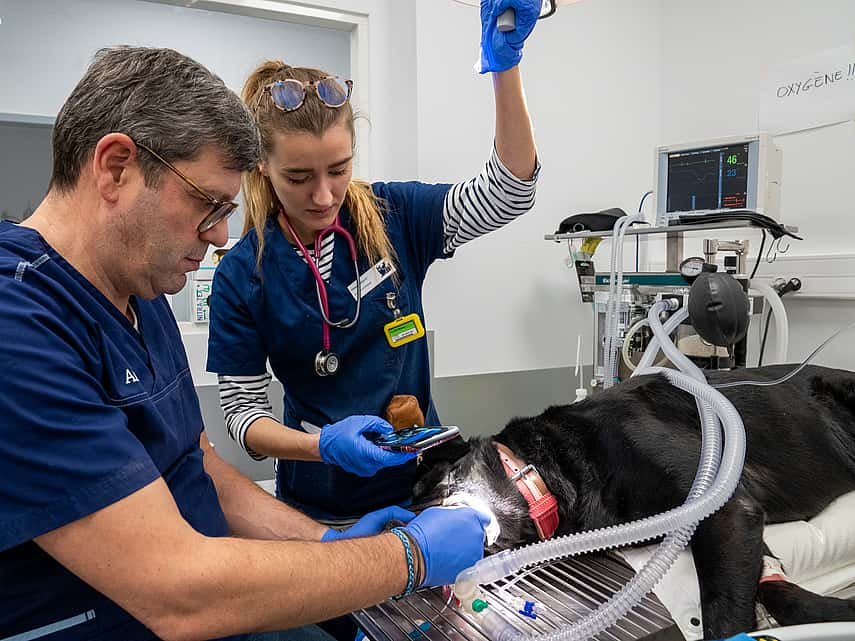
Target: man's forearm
250, 511
142, 554
289, 584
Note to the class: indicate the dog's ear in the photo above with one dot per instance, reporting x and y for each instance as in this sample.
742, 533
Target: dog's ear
436, 460
448, 452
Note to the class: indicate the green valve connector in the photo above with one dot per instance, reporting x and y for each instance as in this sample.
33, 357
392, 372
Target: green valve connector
478, 605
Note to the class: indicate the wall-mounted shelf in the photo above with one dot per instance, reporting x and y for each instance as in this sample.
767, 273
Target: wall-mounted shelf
674, 236
670, 229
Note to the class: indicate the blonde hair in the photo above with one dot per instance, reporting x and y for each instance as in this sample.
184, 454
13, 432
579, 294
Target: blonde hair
314, 117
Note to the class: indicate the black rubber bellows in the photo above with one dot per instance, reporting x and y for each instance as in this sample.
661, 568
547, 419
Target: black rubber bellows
718, 308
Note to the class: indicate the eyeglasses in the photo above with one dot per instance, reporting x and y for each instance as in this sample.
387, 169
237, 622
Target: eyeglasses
290, 94
220, 209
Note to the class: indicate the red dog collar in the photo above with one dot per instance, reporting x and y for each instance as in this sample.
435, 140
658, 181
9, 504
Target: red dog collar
542, 504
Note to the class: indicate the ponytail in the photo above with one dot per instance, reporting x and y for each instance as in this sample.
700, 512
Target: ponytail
366, 211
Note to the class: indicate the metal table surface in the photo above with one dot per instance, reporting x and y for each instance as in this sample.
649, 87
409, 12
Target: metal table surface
564, 590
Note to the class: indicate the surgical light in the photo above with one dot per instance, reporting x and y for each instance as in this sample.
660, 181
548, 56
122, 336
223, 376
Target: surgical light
506, 20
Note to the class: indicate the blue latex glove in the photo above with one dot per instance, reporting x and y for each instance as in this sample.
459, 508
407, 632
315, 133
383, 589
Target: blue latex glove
451, 539
372, 523
501, 50
343, 444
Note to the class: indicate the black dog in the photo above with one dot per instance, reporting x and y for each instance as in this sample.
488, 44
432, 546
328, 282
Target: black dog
632, 451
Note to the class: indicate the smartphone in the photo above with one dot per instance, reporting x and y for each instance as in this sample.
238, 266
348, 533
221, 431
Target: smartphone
413, 439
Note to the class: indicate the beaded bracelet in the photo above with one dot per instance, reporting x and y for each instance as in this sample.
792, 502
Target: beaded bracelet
411, 572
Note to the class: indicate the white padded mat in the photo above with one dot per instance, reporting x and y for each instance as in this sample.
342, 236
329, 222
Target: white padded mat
818, 554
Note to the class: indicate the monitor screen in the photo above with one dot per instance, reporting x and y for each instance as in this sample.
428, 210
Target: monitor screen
709, 178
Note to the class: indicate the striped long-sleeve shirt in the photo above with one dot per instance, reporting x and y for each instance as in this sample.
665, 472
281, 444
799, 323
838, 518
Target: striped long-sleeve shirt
471, 209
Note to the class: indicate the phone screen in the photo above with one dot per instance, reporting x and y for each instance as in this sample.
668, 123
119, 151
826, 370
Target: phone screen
413, 439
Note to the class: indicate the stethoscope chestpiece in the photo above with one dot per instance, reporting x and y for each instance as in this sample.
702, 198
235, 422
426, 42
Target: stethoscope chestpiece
326, 363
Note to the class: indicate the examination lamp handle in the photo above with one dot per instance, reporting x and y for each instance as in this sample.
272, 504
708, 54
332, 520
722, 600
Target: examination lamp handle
506, 20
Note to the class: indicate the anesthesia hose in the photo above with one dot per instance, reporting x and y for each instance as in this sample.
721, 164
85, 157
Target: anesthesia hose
714, 484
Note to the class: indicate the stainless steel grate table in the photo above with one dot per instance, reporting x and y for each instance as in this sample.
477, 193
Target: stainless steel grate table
564, 590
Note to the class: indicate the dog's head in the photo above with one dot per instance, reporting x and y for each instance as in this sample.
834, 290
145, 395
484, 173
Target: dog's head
473, 468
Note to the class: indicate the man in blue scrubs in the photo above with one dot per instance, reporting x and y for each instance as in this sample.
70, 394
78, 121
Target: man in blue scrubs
117, 518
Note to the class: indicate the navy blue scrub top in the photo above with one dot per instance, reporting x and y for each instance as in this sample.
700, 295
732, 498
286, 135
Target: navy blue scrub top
273, 313
91, 410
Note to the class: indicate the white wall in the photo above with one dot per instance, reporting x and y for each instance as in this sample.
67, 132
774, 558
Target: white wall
507, 302
608, 80
715, 57
46, 46
392, 59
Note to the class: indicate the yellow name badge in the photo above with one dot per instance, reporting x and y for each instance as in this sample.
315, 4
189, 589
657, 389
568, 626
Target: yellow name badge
404, 330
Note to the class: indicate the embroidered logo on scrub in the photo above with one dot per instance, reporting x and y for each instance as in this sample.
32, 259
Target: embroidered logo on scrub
130, 377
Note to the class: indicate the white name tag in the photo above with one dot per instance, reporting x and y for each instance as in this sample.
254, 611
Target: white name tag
372, 277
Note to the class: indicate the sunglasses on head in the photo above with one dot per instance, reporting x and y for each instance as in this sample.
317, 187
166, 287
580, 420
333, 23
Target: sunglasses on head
220, 209
290, 94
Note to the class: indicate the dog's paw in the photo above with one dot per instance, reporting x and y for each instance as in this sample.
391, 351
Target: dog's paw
793, 605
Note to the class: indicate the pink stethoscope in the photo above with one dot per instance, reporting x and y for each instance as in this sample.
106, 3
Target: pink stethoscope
327, 362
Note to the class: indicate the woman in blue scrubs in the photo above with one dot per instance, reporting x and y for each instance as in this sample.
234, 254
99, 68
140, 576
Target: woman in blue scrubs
326, 283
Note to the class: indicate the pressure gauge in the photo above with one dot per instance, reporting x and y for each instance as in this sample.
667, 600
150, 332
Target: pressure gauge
691, 268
